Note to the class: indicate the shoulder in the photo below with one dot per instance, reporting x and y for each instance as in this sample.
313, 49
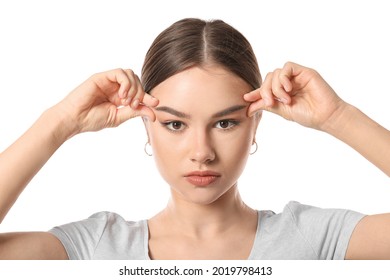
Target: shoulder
314, 221
305, 232
101, 236
109, 218
95, 224
103, 220
302, 214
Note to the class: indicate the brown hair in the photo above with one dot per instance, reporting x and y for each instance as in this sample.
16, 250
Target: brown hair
194, 42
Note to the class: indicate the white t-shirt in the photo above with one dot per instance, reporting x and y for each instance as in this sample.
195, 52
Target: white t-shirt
299, 232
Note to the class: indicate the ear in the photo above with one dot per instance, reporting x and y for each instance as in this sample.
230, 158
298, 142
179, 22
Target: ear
256, 120
146, 124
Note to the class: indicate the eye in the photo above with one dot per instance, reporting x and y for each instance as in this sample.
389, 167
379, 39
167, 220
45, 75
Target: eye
226, 124
174, 126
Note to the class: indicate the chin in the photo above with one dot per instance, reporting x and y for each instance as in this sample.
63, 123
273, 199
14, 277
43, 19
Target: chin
202, 196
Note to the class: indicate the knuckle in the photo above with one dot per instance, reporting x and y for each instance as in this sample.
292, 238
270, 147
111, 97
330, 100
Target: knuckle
118, 71
268, 77
264, 92
132, 91
130, 72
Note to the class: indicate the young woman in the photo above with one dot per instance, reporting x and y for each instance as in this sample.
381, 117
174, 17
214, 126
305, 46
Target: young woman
201, 100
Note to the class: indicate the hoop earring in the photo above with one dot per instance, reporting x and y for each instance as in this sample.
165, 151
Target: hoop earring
256, 147
145, 149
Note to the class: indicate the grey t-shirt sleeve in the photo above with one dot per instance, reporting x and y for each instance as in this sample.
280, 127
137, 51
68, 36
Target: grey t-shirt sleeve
326, 231
103, 236
81, 238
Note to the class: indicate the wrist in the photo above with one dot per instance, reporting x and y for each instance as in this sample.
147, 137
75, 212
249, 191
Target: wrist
340, 120
60, 124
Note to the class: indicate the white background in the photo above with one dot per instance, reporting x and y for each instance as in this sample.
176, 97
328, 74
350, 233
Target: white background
49, 47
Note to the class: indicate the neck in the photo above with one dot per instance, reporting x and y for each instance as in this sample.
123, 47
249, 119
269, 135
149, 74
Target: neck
207, 220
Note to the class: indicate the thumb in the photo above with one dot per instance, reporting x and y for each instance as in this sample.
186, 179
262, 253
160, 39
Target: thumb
123, 114
275, 107
145, 111
261, 104
126, 113
255, 107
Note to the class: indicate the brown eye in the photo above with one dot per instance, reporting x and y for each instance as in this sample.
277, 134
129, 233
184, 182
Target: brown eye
224, 124
176, 125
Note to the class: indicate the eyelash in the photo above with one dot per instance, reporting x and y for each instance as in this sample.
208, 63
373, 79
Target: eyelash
232, 125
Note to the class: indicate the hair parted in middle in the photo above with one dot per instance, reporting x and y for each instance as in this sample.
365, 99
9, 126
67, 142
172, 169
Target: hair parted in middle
194, 42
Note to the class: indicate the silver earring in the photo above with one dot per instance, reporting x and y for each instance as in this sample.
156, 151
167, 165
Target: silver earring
256, 147
146, 150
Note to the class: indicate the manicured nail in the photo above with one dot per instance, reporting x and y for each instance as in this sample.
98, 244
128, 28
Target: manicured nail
128, 100
284, 100
267, 102
254, 113
135, 103
123, 94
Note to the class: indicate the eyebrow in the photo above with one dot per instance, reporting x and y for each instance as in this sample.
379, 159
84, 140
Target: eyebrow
220, 114
229, 111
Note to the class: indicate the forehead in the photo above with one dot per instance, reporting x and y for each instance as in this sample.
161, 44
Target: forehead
198, 86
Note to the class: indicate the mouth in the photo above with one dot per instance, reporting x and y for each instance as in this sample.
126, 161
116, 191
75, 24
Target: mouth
202, 178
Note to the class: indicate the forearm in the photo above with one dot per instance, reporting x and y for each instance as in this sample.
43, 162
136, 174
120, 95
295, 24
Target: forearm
364, 135
24, 158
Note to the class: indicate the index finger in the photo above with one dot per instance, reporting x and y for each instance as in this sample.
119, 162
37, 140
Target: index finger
149, 100
288, 72
119, 77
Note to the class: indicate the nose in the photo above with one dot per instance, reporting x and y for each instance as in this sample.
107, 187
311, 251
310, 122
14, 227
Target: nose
202, 150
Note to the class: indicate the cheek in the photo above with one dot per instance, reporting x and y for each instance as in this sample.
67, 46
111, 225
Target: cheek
234, 152
167, 151
170, 151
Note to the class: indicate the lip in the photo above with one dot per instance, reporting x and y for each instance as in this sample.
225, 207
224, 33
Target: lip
202, 178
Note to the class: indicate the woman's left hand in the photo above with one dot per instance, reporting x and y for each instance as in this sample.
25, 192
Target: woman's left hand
299, 94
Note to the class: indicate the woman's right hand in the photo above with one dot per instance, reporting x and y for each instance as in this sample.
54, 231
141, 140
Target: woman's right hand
106, 99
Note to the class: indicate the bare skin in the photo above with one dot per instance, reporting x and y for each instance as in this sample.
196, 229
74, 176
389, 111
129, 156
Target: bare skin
207, 217
202, 222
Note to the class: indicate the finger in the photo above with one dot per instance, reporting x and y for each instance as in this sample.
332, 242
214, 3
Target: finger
285, 82
150, 100
287, 73
115, 77
126, 113
132, 91
262, 97
266, 90
256, 107
145, 111
252, 96
278, 89
257, 103
139, 94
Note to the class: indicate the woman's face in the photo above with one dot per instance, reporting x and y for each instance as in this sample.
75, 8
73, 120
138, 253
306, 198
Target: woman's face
202, 136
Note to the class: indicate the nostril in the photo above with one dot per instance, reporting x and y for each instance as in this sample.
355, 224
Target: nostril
204, 156
202, 149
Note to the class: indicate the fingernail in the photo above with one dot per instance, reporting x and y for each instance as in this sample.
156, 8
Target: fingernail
281, 99
127, 101
253, 113
267, 102
135, 103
